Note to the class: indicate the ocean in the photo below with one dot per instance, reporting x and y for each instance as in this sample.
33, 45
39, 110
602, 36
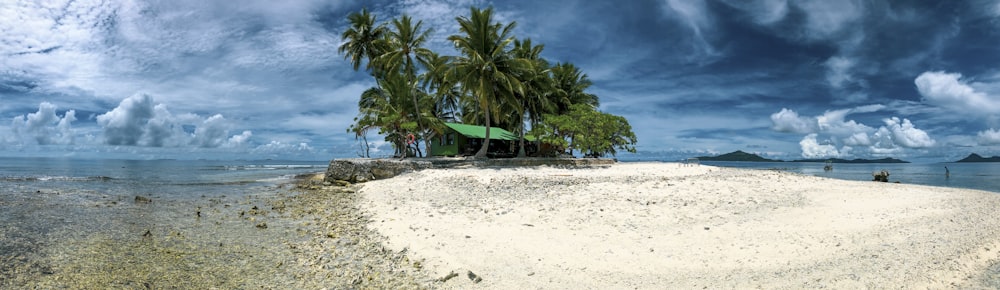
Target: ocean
981, 176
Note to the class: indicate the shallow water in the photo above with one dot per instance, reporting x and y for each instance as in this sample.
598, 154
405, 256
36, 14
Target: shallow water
78, 224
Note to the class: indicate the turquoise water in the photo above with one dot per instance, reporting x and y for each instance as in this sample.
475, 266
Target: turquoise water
981, 176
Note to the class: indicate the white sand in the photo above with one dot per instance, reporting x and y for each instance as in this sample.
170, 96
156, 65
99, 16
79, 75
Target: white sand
661, 225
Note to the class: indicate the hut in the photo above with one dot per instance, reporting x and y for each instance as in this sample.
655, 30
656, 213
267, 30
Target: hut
465, 140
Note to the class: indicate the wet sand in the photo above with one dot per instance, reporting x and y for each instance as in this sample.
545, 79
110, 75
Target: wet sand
661, 225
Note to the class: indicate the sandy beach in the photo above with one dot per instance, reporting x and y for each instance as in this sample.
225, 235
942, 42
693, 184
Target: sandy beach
663, 225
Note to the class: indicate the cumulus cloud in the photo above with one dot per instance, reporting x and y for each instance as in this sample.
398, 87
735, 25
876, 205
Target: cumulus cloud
811, 148
789, 121
832, 122
137, 121
893, 137
906, 135
238, 140
44, 127
988, 137
948, 90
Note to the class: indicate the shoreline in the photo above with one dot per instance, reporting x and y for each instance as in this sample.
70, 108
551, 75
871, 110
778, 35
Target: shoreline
280, 236
627, 225
655, 225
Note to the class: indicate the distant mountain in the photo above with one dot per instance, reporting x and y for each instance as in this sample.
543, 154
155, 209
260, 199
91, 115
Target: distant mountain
737, 156
976, 158
838, 160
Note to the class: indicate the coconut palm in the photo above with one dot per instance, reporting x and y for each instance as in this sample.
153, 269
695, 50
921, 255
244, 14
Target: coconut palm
571, 84
486, 69
364, 40
534, 102
385, 107
435, 79
405, 42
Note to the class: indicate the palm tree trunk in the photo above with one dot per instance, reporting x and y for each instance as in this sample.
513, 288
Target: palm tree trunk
364, 137
486, 141
520, 152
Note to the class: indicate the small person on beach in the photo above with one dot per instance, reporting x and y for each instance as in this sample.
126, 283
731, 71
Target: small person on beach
947, 173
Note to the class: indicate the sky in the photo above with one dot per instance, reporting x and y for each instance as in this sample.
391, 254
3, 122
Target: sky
259, 79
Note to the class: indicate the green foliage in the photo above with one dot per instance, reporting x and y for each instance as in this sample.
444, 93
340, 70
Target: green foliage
592, 132
486, 68
495, 79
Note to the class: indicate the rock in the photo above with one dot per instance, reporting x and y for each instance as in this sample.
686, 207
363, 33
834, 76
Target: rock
261, 225
346, 171
142, 199
882, 176
475, 278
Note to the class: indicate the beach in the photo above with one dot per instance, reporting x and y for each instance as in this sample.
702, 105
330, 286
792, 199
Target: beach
666, 225
626, 225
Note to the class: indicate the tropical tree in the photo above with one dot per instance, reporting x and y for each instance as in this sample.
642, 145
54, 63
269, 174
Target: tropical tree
364, 40
571, 85
592, 132
486, 69
403, 43
538, 85
446, 105
385, 107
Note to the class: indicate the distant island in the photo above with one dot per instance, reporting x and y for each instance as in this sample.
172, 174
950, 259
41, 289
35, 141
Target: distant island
739, 155
976, 158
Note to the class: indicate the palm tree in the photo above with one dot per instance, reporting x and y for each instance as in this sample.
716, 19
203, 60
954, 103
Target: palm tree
571, 84
405, 42
486, 68
364, 40
384, 107
436, 79
534, 102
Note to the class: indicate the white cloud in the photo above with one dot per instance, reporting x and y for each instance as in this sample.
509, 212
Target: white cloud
789, 121
906, 135
238, 140
138, 122
988, 137
858, 139
893, 137
278, 147
831, 122
44, 127
811, 148
948, 90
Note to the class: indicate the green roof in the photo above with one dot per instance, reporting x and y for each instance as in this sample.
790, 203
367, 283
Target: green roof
473, 131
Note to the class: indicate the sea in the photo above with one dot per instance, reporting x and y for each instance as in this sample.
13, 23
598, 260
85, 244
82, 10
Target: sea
981, 176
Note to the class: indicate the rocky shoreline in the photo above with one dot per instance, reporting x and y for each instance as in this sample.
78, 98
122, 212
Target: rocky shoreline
343, 251
300, 235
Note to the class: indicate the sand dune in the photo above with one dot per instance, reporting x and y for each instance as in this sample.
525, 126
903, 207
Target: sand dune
662, 225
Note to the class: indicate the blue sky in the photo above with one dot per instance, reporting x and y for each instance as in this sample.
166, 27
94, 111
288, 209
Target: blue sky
916, 80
